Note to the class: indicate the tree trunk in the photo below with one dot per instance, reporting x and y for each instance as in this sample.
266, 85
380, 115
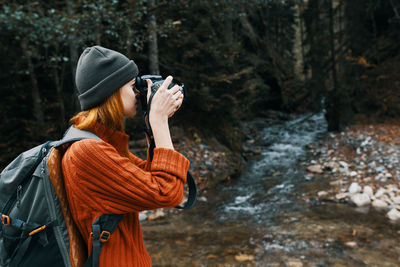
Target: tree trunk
73, 54
37, 100
153, 45
229, 33
298, 45
59, 88
249, 31
334, 122
395, 11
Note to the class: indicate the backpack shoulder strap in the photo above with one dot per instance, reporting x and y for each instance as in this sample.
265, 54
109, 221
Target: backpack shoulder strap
102, 228
73, 134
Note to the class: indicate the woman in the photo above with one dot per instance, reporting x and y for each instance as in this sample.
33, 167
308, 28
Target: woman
104, 177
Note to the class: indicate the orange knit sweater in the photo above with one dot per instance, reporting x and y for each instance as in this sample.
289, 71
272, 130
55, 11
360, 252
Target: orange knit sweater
99, 179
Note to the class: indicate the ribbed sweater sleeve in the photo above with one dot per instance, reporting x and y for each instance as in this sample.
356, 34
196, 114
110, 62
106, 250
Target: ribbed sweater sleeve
111, 183
144, 164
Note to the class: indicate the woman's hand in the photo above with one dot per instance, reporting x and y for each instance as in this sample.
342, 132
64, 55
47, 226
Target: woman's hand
163, 105
165, 102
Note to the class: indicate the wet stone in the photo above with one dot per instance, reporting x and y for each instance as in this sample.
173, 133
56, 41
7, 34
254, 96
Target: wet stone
354, 188
393, 215
315, 169
360, 199
368, 190
379, 204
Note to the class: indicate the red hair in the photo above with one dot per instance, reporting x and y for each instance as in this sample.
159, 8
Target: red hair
110, 114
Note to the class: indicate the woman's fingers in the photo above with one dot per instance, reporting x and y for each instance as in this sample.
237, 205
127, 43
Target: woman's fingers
167, 101
149, 84
166, 83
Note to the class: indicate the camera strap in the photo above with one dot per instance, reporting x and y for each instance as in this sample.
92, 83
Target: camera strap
189, 178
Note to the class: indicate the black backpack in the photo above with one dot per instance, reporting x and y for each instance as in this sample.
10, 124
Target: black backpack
36, 225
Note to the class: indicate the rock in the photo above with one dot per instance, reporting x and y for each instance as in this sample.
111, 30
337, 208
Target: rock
202, 199
341, 196
209, 163
368, 190
351, 244
393, 215
322, 194
335, 183
387, 199
155, 215
360, 199
315, 169
354, 188
379, 204
353, 173
142, 216
332, 165
294, 263
379, 169
308, 178
396, 200
367, 179
257, 151
380, 192
343, 164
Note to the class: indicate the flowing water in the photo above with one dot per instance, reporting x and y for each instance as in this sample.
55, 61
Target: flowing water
264, 218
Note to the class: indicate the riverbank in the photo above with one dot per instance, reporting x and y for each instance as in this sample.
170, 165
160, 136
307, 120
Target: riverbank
211, 163
359, 166
271, 215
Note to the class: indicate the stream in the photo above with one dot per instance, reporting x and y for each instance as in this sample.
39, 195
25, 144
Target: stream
265, 217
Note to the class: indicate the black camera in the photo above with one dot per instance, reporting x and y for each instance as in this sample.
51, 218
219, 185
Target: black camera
141, 86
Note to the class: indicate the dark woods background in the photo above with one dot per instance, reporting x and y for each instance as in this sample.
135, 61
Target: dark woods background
238, 59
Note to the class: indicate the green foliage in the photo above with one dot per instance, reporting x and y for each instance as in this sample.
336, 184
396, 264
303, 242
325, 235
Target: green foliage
231, 55
347, 62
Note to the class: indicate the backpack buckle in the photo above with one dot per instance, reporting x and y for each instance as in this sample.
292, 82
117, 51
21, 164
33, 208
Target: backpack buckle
5, 220
104, 236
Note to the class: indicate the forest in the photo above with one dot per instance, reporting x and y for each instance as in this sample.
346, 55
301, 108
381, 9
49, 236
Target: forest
238, 59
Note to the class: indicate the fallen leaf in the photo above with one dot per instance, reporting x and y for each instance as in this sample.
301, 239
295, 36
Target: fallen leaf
179, 242
244, 257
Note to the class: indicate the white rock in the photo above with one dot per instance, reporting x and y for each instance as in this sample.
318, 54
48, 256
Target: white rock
142, 216
367, 179
354, 188
387, 199
343, 164
396, 200
393, 215
332, 165
379, 204
341, 195
202, 199
368, 190
294, 263
322, 194
353, 173
380, 192
155, 215
315, 168
350, 244
360, 199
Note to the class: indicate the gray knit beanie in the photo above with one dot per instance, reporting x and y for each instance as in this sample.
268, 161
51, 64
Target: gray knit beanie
99, 73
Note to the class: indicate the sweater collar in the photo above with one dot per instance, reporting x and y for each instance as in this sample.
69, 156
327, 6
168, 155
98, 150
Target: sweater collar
117, 139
